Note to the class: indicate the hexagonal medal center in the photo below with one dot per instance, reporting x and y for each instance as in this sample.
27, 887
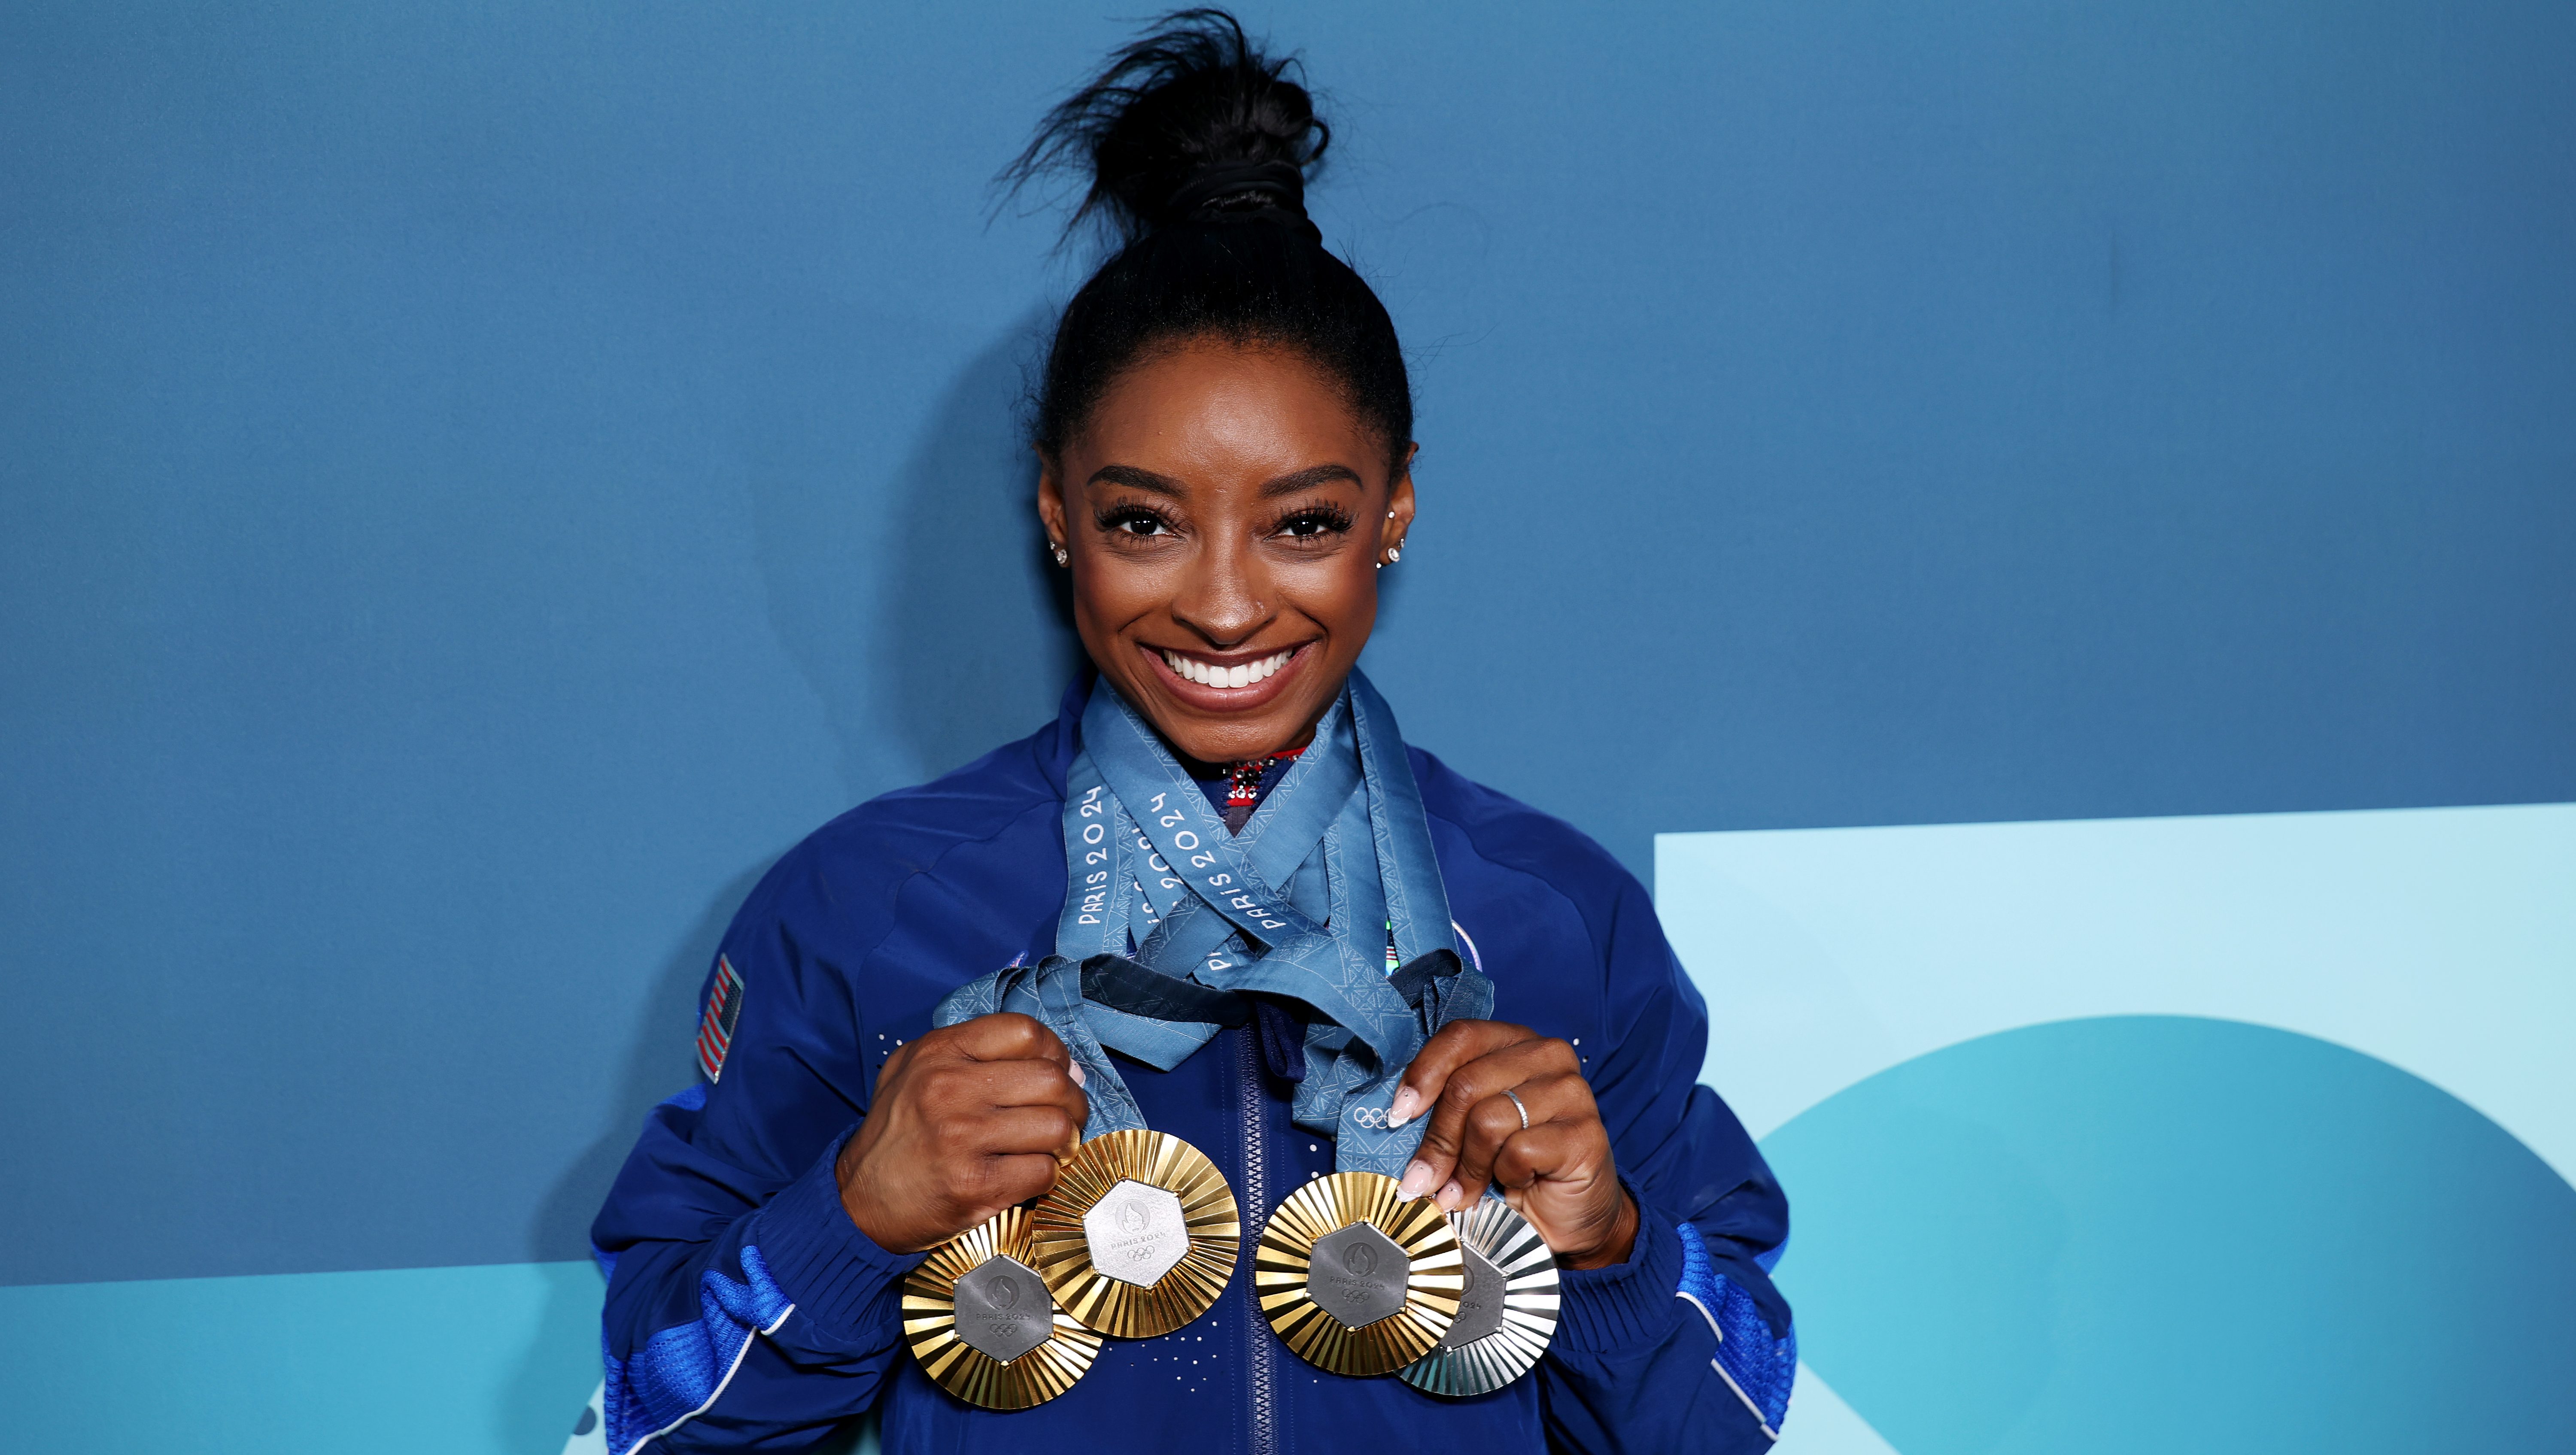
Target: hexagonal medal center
1137, 1232
1358, 1275
1480, 1308
1003, 1308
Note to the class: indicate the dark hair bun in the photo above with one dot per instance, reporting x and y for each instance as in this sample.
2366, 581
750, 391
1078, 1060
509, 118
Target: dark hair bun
1197, 147
1188, 122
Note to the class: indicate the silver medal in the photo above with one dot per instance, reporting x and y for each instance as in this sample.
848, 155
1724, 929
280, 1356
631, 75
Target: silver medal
1508, 1312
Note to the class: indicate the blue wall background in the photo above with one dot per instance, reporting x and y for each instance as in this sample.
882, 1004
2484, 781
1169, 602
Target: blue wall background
475, 485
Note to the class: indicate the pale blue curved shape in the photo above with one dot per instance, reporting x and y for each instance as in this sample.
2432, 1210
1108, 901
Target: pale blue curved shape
2150, 1234
2440, 940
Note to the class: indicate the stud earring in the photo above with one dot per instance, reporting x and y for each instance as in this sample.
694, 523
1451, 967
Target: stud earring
1394, 554
1063, 557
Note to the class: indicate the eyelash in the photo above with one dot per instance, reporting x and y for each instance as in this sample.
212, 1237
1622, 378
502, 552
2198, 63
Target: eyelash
1322, 520
1117, 518
1328, 520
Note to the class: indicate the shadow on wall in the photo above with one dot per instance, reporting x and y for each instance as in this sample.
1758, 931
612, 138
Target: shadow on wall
977, 631
919, 608
972, 642
659, 1062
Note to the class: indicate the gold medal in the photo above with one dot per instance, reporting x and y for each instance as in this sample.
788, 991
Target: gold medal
980, 1320
1508, 1313
1355, 1278
1139, 1234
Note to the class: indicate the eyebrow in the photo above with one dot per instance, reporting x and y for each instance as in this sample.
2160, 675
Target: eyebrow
1288, 484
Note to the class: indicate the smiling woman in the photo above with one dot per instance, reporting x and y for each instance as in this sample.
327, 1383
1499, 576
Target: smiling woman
1475, 1162
1225, 520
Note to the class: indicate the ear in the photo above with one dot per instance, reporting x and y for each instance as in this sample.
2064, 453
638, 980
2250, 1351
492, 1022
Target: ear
1051, 501
1399, 503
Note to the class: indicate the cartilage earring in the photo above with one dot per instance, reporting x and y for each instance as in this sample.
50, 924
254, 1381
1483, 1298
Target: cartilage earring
1063, 557
1394, 554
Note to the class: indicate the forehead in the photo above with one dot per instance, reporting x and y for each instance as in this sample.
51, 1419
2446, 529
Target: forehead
1214, 413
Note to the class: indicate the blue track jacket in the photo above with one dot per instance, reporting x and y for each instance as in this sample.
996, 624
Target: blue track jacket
746, 1312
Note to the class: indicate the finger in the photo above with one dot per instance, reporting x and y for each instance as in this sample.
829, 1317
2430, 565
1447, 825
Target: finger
1544, 1097
1560, 1096
1066, 1100
1003, 1182
1489, 1124
1542, 1152
1011, 1083
1559, 1176
1455, 1044
1444, 1133
1013, 1131
1009, 1036
971, 1089
1437, 1156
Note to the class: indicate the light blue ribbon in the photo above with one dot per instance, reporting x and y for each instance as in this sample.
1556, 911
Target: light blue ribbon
1300, 905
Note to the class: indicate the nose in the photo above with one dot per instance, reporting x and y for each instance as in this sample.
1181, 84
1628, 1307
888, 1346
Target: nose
1221, 596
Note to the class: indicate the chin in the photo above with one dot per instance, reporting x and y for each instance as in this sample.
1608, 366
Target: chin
1212, 738
1232, 742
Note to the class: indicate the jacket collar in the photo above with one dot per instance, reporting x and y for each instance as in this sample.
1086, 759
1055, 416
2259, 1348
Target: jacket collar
1058, 742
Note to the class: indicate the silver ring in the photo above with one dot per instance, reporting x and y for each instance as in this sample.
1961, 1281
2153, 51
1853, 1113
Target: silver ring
1519, 1107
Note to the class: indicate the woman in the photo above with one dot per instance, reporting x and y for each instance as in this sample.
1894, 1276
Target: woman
1225, 431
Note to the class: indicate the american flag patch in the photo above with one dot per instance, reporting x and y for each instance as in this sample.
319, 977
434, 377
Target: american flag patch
715, 1028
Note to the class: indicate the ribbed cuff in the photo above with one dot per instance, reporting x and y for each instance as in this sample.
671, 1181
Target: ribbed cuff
1625, 1304
837, 1276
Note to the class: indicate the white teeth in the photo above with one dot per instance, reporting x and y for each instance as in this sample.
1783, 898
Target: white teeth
1210, 675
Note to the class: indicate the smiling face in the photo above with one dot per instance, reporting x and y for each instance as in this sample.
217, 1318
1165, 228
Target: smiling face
1226, 514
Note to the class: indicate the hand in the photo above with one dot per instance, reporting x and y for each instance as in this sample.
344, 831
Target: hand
1557, 1172
968, 1120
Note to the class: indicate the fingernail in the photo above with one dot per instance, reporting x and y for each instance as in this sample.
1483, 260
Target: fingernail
1451, 1196
1407, 1102
1076, 1068
1417, 1180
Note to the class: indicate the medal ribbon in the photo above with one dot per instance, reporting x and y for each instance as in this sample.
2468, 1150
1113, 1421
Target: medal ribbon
1298, 906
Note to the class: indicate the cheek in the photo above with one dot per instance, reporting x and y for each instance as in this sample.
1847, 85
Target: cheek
1111, 591
1341, 594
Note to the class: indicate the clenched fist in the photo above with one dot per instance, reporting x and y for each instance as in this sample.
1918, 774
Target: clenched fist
968, 1120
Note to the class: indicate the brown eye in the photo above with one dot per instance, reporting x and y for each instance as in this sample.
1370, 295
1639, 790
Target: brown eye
1308, 525
1135, 522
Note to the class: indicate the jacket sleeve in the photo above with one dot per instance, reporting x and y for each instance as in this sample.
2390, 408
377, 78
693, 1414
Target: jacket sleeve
1687, 1346
745, 1310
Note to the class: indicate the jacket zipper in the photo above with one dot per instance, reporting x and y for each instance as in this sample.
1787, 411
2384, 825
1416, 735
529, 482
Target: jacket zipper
1259, 1353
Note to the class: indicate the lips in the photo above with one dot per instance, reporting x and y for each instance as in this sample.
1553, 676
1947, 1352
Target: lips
1236, 683
1212, 674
